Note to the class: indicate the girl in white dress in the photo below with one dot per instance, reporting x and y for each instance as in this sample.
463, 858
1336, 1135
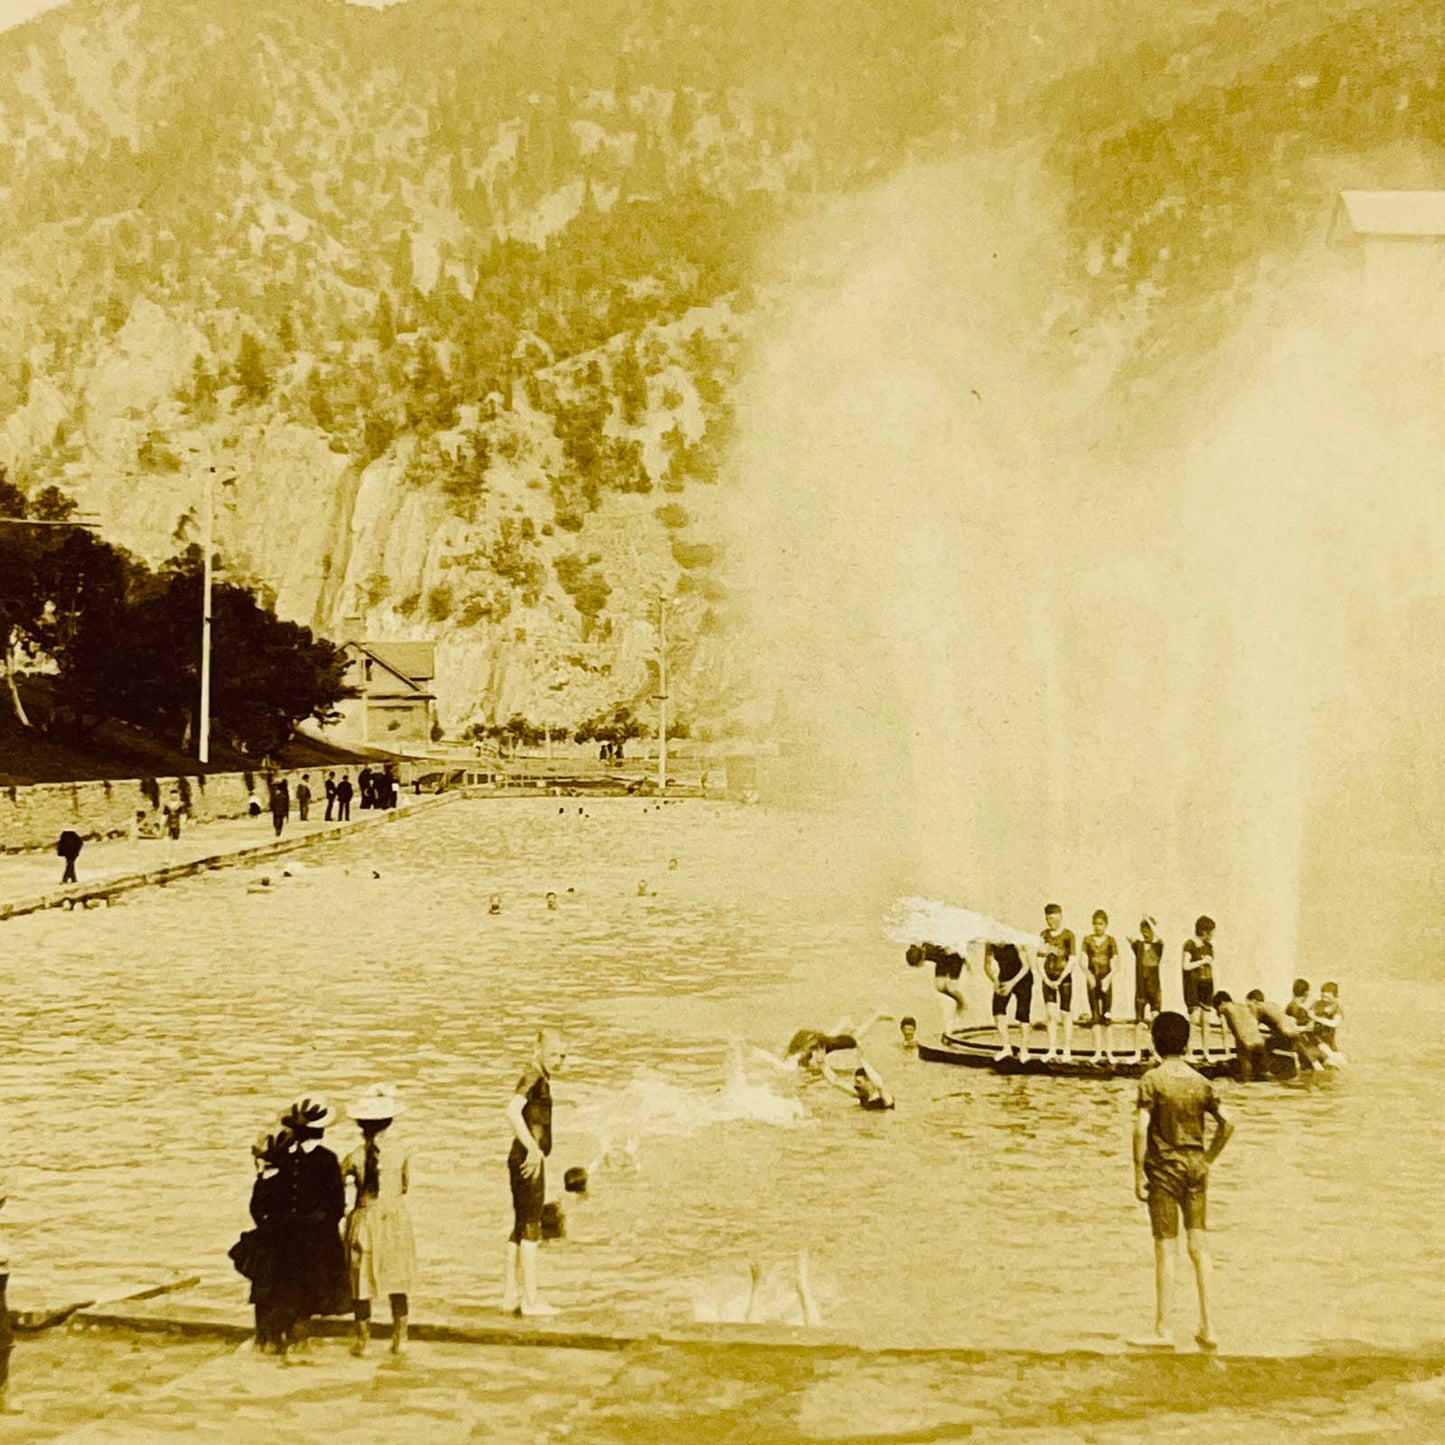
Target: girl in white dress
379, 1240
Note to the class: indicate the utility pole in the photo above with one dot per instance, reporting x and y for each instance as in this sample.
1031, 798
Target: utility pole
662, 694
203, 749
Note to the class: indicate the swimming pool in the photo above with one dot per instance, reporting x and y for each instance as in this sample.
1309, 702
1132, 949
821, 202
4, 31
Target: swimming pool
147, 1044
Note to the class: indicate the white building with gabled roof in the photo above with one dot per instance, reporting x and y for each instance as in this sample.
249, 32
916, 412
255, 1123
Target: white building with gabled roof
395, 707
1400, 239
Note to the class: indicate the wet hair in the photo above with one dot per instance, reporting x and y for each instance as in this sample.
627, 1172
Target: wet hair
906, 1021
1300, 987
1099, 916
914, 954
1051, 908
1255, 995
1329, 988
1204, 924
574, 1181
1222, 997
860, 1072
1170, 1033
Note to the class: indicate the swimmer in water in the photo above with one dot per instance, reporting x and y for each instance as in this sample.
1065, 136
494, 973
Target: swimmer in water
908, 1027
808, 1049
948, 968
866, 1086
551, 902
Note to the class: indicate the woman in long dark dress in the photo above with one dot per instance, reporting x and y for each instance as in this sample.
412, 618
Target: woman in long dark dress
270, 1152
311, 1271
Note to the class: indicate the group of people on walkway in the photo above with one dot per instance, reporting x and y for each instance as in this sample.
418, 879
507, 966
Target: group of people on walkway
334, 1236
377, 788
330, 1236
1015, 970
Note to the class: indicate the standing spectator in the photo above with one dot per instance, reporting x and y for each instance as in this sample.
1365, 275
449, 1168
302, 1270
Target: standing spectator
311, 1274
68, 847
258, 1255
379, 1240
330, 794
365, 782
6, 1408
303, 797
280, 804
530, 1115
344, 792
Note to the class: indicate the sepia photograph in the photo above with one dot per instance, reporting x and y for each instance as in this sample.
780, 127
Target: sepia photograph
720, 721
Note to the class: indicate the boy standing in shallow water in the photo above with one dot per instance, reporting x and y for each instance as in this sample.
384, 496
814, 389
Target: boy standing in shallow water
1171, 1169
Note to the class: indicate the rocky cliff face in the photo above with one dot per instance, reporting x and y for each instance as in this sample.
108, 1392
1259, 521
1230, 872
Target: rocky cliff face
458, 292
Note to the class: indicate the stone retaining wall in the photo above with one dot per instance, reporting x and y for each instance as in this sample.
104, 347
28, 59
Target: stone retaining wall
35, 816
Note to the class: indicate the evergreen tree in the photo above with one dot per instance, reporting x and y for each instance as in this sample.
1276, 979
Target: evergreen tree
251, 373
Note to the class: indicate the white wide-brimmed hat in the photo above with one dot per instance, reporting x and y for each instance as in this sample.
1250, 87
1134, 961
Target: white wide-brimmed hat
376, 1103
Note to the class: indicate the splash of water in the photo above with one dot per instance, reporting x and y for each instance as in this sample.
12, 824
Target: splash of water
652, 1106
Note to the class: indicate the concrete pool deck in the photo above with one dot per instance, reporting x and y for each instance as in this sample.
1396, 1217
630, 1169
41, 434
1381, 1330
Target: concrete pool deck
103, 1381
109, 867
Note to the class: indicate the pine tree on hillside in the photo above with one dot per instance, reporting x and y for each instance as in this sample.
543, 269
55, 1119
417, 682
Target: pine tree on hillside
251, 373
383, 325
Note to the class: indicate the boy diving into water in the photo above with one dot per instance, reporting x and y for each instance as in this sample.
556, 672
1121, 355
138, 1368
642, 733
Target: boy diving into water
948, 968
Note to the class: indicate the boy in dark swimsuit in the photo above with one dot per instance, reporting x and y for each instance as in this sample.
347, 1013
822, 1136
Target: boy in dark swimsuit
1056, 981
1013, 984
1327, 1016
530, 1115
948, 968
866, 1087
808, 1049
1148, 991
1100, 950
1199, 980
1298, 1011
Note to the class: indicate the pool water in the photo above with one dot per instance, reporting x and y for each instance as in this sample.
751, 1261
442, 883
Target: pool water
147, 1044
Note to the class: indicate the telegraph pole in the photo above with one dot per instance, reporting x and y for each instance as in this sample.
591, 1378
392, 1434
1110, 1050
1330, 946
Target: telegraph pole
203, 749
662, 694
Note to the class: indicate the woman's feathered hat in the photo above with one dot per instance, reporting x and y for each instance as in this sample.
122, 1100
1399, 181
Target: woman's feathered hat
270, 1146
308, 1112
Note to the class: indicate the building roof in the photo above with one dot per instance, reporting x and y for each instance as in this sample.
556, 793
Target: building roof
1394, 213
406, 687
413, 660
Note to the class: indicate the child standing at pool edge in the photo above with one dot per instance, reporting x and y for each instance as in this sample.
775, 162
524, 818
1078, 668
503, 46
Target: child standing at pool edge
1171, 1168
530, 1115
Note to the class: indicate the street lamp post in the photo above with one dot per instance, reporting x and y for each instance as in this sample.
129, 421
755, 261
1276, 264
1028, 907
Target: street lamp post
203, 741
662, 694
